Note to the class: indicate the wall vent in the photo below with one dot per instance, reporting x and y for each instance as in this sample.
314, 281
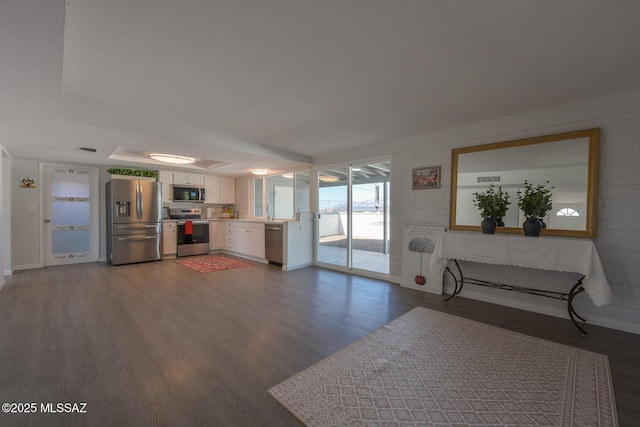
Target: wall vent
489, 179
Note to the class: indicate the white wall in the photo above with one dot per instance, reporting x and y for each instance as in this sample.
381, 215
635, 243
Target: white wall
25, 216
298, 235
331, 224
618, 240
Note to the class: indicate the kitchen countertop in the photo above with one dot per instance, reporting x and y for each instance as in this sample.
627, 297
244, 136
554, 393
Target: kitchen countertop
259, 221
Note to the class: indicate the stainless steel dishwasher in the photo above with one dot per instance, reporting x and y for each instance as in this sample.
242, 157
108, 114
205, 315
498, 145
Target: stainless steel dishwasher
273, 243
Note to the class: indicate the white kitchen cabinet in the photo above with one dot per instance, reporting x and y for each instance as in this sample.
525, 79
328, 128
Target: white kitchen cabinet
166, 178
250, 239
230, 232
169, 238
216, 235
219, 189
245, 238
227, 189
182, 178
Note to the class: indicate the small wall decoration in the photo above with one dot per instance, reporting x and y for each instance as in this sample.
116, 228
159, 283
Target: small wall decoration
425, 178
27, 182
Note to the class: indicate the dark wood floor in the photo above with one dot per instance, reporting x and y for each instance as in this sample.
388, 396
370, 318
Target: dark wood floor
159, 344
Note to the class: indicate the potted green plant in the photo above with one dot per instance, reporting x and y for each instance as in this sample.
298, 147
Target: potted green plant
493, 205
534, 201
135, 173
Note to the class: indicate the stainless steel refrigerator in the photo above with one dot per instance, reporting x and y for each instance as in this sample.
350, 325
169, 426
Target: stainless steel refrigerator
134, 221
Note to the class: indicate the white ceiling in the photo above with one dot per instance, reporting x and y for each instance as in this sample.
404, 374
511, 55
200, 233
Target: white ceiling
277, 83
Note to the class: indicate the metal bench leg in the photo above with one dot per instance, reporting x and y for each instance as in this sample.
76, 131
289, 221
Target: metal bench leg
577, 289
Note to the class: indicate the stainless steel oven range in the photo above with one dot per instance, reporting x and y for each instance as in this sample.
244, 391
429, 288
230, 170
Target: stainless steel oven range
193, 231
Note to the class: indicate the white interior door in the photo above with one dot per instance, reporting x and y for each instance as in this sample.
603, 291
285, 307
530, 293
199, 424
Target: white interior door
70, 211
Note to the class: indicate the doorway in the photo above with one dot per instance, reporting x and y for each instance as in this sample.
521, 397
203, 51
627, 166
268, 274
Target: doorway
353, 210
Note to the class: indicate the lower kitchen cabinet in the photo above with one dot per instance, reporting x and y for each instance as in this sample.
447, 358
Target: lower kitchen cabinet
216, 235
169, 238
230, 231
250, 239
246, 238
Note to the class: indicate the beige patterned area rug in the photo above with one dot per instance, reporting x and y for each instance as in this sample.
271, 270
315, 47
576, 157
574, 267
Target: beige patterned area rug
428, 368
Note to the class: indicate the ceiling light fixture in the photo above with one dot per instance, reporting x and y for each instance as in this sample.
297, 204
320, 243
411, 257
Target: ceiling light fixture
259, 171
329, 178
172, 158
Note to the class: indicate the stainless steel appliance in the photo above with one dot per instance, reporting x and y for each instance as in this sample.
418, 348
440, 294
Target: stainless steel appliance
273, 243
188, 193
193, 232
134, 221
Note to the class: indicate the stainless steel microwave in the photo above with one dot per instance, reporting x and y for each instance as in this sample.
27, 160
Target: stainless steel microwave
188, 194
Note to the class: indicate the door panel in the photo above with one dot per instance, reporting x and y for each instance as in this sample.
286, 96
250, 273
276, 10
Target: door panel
333, 227
150, 202
123, 201
70, 229
136, 248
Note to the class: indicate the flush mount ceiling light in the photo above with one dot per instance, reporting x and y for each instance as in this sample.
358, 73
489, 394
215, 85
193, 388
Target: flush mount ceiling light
172, 158
329, 178
259, 171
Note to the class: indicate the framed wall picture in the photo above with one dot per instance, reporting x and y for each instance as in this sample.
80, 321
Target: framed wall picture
425, 178
27, 182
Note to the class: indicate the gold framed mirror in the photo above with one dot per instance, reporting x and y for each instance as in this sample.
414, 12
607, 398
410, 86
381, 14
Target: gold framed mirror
568, 161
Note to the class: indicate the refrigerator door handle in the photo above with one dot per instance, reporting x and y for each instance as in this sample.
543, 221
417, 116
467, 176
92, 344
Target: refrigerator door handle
138, 201
137, 227
139, 238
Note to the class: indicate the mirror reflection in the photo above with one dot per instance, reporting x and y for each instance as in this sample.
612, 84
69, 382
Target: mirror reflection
567, 161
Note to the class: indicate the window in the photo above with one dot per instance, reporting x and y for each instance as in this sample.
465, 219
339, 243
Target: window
281, 196
567, 212
258, 198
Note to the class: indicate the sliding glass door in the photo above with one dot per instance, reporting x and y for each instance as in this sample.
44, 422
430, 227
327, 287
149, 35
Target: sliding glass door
333, 210
370, 217
353, 225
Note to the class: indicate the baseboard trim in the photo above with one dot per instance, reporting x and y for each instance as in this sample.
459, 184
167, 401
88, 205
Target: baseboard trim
354, 271
296, 267
592, 318
26, 266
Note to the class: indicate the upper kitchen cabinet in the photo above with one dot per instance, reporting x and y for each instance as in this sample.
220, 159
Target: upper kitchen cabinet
181, 178
166, 179
219, 189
